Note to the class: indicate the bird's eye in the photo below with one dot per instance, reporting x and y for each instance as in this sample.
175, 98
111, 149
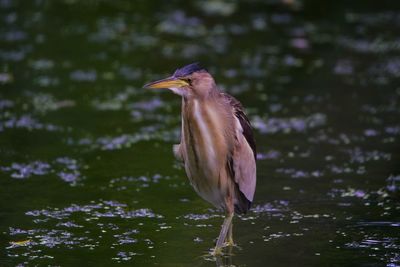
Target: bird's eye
189, 80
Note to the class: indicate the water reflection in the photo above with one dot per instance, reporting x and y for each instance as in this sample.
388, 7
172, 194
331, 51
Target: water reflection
225, 260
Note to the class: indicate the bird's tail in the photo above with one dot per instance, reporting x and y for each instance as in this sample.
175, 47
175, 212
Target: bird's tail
242, 204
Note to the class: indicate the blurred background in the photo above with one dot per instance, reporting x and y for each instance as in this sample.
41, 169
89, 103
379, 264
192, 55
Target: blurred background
87, 175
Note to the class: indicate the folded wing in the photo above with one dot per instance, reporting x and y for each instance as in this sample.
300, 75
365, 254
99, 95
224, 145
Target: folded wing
242, 160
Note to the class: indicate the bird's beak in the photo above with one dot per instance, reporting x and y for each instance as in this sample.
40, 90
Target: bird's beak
170, 82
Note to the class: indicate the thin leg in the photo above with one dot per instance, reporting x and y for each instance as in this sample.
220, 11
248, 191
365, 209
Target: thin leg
230, 236
224, 230
222, 234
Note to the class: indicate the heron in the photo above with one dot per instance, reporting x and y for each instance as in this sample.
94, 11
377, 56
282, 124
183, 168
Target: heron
217, 147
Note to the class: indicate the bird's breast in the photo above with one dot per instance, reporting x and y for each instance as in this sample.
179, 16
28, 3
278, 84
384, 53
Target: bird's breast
204, 140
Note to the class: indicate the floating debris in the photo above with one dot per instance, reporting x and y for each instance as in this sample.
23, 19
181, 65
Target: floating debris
369, 46
393, 183
360, 156
43, 103
6, 104
20, 243
293, 173
84, 76
6, 78
300, 43
343, 67
217, 7
151, 133
197, 240
67, 169
22, 171
135, 183
105, 209
179, 23
25, 122
288, 125
42, 64
197, 217
272, 154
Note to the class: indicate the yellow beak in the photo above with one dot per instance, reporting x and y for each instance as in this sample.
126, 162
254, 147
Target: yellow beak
170, 82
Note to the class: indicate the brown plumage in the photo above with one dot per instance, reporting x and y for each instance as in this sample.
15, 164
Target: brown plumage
217, 146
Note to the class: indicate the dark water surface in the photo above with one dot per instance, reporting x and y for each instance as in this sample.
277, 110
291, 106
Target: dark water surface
87, 175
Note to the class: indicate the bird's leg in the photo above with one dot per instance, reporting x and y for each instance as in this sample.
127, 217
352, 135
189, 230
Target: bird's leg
230, 236
224, 230
222, 234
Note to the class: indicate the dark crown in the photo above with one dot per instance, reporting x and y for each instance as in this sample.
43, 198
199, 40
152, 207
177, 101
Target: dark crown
188, 69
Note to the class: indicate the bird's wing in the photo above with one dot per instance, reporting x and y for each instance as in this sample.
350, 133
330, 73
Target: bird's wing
242, 161
244, 122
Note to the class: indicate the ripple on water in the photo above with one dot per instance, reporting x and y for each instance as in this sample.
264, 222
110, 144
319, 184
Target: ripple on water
296, 223
369, 242
276, 206
378, 245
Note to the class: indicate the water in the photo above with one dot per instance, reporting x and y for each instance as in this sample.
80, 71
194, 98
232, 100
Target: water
87, 175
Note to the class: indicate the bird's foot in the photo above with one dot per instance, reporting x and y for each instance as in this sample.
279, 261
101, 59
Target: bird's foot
217, 251
230, 243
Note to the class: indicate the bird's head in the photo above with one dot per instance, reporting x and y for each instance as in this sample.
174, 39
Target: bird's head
189, 81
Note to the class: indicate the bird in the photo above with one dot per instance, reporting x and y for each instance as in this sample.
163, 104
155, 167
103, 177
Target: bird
217, 146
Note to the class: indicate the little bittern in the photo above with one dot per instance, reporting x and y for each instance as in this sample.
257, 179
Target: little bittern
217, 146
